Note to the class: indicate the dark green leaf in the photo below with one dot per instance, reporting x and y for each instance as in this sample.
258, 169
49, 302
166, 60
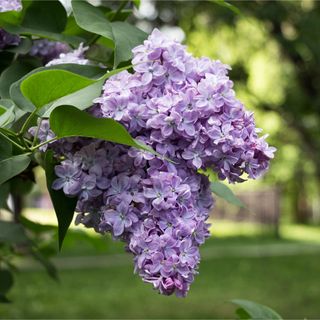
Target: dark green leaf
242, 314
72, 40
4, 194
6, 281
12, 233
47, 86
5, 148
63, 206
13, 73
12, 166
121, 35
255, 310
23, 47
45, 15
225, 193
126, 37
119, 16
67, 121
4, 299
92, 19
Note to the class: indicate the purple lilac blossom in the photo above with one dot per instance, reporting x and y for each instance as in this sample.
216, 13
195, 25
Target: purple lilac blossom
10, 5
7, 39
48, 50
184, 108
76, 56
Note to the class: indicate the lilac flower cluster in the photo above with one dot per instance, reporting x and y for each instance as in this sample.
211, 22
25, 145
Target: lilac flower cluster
10, 5
7, 39
185, 109
76, 56
48, 50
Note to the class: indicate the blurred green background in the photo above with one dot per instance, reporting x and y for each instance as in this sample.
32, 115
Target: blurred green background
268, 255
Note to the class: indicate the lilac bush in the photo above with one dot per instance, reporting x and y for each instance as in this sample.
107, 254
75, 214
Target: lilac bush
185, 109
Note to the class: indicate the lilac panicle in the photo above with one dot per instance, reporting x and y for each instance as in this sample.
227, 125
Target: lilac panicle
10, 5
76, 56
7, 39
184, 108
48, 50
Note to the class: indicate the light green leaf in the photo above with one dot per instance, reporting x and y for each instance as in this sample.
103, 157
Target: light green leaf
137, 3
252, 310
64, 206
67, 121
225, 193
13, 166
97, 77
47, 86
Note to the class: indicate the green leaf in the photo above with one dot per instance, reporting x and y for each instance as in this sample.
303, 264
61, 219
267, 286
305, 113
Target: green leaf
23, 47
45, 15
5, 148
92, 19
47, 86
67, 121
64, 206
121, 35
6, 281
225, 4
254, 310
4, 194
11, 232
12, 166
81, 99
13, 73
25, 31
137, 3
225, 193
84, 70
7, 116
126, 37
242, 314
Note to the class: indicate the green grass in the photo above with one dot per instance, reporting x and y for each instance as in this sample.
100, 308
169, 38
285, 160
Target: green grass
290, 284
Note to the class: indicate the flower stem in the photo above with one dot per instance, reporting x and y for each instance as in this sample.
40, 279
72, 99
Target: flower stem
13, 142
43, 143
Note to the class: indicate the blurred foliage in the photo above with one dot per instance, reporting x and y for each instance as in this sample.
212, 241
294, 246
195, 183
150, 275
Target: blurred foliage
274, 52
